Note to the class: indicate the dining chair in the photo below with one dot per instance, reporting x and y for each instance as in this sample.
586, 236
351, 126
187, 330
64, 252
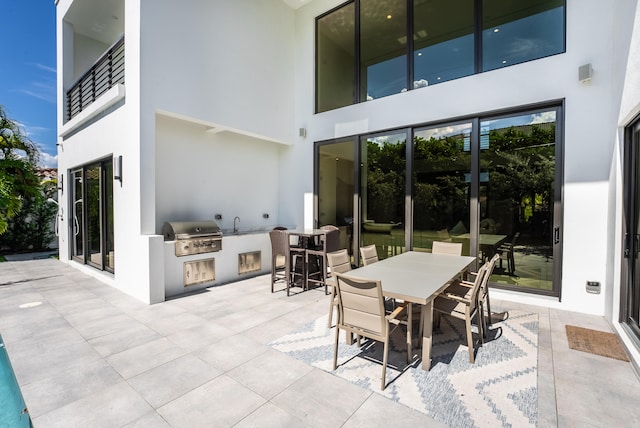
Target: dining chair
506, 251
464, 289
329, 242
369, 254
339, 262
464, 308
451, 248
283, 258
361, 312
440, 247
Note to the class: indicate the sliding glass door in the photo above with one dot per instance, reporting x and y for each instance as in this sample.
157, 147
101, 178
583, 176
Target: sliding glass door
382, 191
520, 199
91, 228
335, 188
630, 299
442, 186
492, 183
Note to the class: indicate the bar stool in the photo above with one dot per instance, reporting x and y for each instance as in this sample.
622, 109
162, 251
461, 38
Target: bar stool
329, 242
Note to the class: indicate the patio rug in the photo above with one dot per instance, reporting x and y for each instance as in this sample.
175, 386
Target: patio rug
500, 389
595, 342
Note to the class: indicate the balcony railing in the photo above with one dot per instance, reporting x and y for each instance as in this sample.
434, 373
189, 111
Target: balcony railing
102, 76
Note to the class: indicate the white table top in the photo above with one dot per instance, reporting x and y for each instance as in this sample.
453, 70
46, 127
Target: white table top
413, 276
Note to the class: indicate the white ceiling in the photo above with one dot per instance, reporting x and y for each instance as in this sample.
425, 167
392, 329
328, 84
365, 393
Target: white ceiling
101, 20
104, 19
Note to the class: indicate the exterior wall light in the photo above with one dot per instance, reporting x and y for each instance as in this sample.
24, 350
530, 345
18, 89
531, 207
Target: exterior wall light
117, 168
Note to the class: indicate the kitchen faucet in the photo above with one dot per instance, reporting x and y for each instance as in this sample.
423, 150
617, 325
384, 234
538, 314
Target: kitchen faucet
235, 228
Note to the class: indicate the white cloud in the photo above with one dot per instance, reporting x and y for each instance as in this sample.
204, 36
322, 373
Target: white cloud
45, 67
544, 117
422, 83
48, 161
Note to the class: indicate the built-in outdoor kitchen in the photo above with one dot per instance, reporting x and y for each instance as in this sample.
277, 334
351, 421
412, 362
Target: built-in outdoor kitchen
198, 254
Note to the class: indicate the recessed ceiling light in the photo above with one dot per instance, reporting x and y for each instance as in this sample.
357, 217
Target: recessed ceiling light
504, 61
419, 53
389, 16
495, 30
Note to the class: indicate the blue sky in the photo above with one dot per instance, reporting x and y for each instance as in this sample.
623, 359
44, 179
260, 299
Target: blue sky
28, 71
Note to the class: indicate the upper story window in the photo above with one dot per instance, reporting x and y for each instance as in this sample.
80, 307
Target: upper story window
364, 51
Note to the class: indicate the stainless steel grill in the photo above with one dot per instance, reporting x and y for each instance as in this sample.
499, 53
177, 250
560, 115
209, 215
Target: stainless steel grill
193, 237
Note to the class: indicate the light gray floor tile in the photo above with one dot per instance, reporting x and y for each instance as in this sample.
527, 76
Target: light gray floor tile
270, 416
221, 402
383, 412
114, 406
231, 352
131, 336
138, 360
321, 399
270, 373
171, 380
64, 387
200, 336
35, 364
150, 420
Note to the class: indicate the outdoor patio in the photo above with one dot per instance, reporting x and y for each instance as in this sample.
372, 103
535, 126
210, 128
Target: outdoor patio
88, 355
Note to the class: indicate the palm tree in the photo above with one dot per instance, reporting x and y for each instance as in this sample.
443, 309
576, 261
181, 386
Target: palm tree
19, 158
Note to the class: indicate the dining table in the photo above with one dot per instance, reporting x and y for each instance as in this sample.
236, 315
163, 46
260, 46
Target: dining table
417, 277
488, 242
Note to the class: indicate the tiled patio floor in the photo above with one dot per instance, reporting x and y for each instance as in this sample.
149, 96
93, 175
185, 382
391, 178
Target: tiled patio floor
91, 356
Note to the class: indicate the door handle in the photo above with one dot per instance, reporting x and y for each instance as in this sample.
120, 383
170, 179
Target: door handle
627, 249
556, 235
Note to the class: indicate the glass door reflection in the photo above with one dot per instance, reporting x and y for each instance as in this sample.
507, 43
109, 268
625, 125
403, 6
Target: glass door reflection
517, 197
77, 210
335, 188
441, 186
94, 223
382, 181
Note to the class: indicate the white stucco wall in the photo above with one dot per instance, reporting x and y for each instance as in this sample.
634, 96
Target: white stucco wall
248, 66
201, 174
591, 116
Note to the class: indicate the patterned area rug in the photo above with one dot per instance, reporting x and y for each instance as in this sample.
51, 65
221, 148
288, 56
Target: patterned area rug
500, 389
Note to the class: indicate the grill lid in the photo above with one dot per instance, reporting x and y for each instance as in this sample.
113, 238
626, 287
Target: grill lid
173, 230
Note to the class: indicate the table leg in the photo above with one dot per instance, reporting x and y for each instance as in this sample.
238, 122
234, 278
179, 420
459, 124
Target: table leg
427, 330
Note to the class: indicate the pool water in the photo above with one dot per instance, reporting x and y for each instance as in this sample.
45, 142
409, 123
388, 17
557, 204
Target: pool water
13, 411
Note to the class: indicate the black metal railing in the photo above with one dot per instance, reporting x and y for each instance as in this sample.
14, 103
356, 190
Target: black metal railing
105, 73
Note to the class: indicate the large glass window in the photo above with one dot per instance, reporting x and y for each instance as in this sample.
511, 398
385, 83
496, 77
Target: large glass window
441, 185
443, 42
491, 183
400, 45
514, 32
383, 48
335, 67
382, 181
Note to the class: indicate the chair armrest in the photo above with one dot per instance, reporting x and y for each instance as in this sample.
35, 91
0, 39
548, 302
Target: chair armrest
455, 297
397, 311
466, 284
